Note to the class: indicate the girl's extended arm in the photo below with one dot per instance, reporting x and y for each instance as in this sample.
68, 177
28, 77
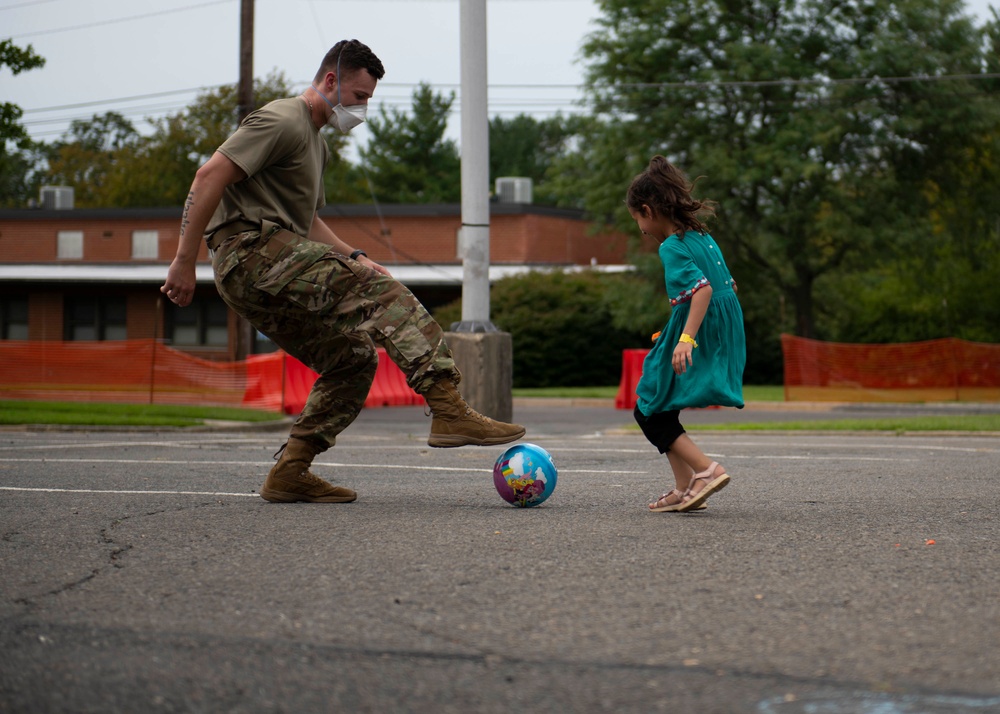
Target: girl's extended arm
682, 357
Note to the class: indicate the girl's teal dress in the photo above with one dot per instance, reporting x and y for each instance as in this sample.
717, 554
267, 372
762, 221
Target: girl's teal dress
716, 378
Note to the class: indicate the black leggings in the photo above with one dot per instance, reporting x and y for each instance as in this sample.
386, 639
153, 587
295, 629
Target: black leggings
662, 429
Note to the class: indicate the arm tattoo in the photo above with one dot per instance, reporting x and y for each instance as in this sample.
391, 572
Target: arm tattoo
185, 220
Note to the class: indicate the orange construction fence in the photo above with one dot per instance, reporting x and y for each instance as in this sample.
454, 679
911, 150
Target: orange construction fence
149, 372
931, 371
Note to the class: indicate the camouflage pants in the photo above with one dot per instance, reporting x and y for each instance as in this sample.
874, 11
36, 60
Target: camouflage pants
329, 312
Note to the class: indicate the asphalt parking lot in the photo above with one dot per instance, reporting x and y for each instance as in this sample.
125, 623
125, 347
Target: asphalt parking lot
837, 573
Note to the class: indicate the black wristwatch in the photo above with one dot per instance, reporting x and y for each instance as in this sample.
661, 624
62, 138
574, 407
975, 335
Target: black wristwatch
355, 254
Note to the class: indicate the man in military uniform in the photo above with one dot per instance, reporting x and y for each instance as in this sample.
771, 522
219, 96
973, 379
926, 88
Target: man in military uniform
282, 268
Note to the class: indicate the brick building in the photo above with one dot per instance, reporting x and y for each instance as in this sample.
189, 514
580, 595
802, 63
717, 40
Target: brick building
94, 274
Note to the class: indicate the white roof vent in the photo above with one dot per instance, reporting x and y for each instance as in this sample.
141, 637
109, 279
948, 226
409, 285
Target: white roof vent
514, 189
59, 198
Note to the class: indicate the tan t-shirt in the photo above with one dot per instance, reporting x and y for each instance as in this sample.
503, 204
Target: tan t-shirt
283, 155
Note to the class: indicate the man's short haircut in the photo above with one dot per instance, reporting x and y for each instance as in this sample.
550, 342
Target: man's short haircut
353, 55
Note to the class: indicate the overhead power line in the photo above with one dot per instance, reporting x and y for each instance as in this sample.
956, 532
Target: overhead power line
504, 99
120, 100
171, 11
554, 100
24, 4
796, 82
117, 20
382, 98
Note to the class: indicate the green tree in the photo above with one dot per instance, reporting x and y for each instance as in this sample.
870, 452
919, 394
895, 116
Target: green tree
941, 283
19, 155
18, 60
525, 146
939, 278
562, 327
109, 163
161, 170
90, 155
408, 158
793, 111
22, 172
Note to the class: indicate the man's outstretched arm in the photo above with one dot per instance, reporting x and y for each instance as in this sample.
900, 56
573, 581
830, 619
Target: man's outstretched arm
206, 191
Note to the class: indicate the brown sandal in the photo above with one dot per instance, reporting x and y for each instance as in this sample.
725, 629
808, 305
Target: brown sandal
713, 483
672, 507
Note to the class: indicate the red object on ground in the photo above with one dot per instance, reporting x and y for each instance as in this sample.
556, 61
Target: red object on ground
631, 371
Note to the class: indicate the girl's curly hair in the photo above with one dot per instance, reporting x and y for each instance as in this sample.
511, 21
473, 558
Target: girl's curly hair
664, 188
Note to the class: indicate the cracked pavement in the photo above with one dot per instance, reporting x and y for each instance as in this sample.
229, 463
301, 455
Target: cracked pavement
837, 573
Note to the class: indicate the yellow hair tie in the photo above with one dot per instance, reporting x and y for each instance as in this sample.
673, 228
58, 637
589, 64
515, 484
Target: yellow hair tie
687, 338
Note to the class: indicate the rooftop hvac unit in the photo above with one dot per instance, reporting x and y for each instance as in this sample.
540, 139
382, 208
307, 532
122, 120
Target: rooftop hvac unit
514, 189
59, 198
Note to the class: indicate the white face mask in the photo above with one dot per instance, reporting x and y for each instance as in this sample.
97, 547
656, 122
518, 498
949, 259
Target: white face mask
343, 119
346, 118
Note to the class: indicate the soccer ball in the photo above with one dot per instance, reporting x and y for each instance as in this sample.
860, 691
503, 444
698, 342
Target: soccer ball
524, 475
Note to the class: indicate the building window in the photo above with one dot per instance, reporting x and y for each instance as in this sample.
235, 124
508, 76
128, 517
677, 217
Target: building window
145, 245
14, 318
203, 323
95, 318
69, 245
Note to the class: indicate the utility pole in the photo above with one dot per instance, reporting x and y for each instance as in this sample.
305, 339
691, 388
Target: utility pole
244, 330
246, 60
475, 171
483, 354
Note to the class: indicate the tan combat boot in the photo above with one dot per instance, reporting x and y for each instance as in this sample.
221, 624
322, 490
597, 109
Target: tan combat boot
291, 480
455, 423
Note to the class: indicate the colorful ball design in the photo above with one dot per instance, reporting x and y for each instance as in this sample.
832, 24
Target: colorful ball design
524, 475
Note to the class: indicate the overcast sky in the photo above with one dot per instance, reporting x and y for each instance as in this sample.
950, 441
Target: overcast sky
96, 58
150, 57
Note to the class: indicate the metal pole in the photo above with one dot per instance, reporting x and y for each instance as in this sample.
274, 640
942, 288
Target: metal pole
246, 60
244, 331
475, 238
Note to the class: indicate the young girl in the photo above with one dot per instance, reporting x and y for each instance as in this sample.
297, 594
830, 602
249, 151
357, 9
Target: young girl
699, 356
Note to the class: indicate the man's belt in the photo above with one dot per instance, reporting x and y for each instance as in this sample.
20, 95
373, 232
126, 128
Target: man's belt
224, 233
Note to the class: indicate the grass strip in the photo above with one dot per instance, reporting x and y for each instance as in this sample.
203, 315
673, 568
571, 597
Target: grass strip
13, 412
962, 422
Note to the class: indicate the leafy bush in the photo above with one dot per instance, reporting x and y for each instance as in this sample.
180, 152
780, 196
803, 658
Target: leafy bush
562, 327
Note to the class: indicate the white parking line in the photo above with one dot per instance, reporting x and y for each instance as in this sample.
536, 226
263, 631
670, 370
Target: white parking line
143, 493
551, 444
318, 464
121, 444
881, 446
